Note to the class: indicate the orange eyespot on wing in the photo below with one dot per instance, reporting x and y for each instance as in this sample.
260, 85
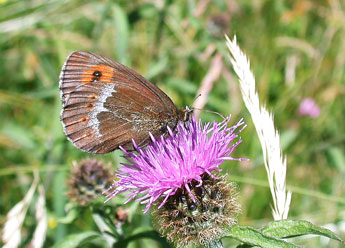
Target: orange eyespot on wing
98, 73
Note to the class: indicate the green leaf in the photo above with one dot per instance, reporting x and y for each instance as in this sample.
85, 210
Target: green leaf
121, 33
293, 228
59, 201
157, 68
106, 227
19, 135
148, 235
75, 240
287, 137
72, 214
253, 237
182, 85
337, 158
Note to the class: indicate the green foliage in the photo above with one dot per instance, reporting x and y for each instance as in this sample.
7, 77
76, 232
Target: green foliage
76, 240
252, 237
293, 228
173, 44
272, 234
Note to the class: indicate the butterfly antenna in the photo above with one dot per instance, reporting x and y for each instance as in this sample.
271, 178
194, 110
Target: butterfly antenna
209, 111
213, 112
195, 98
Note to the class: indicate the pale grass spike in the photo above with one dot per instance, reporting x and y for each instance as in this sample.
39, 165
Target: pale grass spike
275, 163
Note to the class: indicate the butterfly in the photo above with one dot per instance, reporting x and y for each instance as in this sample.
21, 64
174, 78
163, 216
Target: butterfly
106, 105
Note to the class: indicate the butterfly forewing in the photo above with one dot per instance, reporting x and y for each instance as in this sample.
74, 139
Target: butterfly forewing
106, 104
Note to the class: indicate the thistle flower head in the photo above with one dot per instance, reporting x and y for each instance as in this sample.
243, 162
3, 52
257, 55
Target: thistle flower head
189, 223
89, 179
309, 108
173, 163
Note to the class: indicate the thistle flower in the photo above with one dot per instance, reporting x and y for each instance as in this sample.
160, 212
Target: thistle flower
172, 163
191, 205
309, 107
89, 179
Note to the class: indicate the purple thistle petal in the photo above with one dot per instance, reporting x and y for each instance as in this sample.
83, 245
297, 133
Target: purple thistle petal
171, 163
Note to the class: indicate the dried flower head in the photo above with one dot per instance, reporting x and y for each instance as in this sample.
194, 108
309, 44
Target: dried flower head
89, 179
170, 164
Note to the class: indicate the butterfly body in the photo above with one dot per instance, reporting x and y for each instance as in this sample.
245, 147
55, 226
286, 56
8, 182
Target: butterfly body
105, 105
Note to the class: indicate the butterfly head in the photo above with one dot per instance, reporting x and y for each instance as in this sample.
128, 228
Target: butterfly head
187, 114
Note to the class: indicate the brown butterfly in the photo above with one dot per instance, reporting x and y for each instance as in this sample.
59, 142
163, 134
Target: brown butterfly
106, 104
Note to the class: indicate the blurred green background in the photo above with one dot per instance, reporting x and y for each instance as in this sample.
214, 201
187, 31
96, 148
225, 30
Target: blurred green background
296, 49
